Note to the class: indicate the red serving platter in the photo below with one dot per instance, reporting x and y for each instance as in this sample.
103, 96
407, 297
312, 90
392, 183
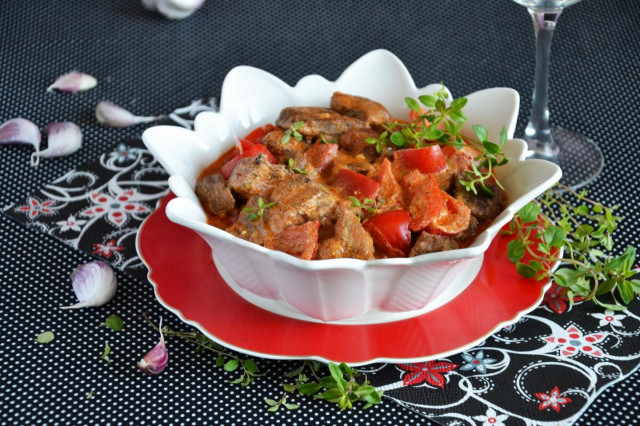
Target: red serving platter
186, 282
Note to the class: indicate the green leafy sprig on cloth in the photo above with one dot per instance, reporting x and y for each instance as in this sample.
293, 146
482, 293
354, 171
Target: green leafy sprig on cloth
567, 227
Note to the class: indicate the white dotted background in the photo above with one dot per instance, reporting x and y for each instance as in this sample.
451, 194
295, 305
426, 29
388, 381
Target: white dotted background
151, 65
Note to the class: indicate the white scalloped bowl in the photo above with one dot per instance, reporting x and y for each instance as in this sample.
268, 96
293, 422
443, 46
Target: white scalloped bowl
345, 291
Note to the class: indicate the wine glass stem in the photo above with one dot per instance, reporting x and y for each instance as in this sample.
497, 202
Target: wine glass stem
538, 131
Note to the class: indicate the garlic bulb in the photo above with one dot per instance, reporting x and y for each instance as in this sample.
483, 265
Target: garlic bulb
63, 139
94, 284
73, 82
156, 360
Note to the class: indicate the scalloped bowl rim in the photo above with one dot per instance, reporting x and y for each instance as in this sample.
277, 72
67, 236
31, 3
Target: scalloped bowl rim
176, 207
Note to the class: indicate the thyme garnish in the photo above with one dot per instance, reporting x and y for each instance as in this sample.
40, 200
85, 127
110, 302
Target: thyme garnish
584, 229
292, 131
439, 124
256, 213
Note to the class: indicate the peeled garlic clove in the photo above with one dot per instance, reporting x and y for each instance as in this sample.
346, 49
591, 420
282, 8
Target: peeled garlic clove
74, 82
112, 115
20, 131
155, 361
94, 284
63, 139
178, 9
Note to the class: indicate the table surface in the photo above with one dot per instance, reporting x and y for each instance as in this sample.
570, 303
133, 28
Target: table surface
151, 65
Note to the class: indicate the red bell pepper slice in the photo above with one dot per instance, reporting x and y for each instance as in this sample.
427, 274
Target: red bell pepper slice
390, 232
321, 155
258, 134
298, 240
454, 217
355, 184
426, 160
425, 199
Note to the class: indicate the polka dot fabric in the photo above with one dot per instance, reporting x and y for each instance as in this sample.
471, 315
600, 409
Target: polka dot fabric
151, 65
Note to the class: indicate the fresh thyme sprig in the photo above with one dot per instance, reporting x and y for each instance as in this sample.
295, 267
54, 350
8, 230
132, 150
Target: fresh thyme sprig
368, 204
578, 234
439, 124
341, 386
292, 167
256, 213
292, 131
225, 359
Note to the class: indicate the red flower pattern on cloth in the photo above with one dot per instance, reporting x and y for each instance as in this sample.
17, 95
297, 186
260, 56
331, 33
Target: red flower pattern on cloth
107, 249
557, 300
34, 207
117, 208
572, 341
552, 400
430, 372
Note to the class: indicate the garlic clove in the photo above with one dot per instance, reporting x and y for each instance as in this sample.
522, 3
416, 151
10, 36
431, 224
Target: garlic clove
178, 9
63, 139
73, 82
156, 360
20, 131
94, 284
113, 115
149, 4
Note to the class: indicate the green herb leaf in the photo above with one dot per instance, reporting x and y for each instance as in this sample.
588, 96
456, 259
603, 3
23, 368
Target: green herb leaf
525, 270
515, 250
231, 365
46, 337
113, 322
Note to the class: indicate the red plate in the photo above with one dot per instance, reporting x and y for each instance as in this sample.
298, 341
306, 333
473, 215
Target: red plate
187, 283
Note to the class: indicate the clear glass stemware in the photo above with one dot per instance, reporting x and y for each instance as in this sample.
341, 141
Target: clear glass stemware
579, 157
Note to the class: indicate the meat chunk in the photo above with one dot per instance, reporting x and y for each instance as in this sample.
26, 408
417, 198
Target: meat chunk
255, 176
483, 206
273, 141
247, 229
299, 199
429, 243
297, 240
355, 142
318, 121
350, 239
363, 109
215, 196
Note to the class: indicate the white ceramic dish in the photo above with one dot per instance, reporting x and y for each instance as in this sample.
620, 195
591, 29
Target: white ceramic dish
337, 289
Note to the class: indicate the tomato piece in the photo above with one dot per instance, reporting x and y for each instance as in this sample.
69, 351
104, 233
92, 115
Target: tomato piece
298, 240
258, 134
426, 160
454, 217
390, 190
425, 199
355, 184
390, 232
249, 150
321, 155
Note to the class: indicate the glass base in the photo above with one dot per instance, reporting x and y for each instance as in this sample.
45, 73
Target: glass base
579, 157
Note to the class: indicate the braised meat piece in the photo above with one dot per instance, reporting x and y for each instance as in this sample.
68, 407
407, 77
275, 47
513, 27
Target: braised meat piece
215, 196
247, 229
318, 121
429, 243
483, 206
255, 176
361, 108
299, 199
273, 141
355, 142
350, 239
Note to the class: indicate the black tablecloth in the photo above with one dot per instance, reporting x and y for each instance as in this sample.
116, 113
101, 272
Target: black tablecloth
151, 65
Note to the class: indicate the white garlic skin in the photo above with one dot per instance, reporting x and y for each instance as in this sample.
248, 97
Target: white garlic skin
156, 360
63, 139
73, 82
